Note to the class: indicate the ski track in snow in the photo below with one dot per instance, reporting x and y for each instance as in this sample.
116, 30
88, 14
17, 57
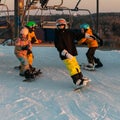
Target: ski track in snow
51, 96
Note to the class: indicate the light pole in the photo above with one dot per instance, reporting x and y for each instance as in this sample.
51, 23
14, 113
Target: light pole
16, 18
97, 16
18, 12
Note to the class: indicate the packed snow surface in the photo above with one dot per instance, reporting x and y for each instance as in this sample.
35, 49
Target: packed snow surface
51, 96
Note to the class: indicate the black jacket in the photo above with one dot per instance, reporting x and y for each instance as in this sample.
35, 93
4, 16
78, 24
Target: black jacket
64, 39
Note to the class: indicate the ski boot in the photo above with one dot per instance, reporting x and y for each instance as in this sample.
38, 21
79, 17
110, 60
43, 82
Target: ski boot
29, 74
79, 80
32, 68
90, 67
98, 63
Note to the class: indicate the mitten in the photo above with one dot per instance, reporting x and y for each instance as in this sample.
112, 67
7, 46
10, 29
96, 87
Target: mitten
66, 54
69, 56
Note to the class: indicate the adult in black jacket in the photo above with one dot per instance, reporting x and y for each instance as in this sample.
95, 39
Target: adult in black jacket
64, 42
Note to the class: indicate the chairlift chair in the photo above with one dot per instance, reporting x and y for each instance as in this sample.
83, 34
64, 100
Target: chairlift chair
31, 4
45, 7
5, 25
49, 21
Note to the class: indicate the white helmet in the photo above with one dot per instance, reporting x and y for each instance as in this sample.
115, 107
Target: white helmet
24, 31
61, 21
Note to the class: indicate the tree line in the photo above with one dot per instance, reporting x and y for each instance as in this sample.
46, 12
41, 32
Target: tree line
109, 24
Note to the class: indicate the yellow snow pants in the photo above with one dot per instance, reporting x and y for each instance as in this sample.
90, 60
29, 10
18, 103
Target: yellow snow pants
25, 61
30, 58
72, 66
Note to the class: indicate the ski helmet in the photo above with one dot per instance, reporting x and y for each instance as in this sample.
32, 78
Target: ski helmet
61, 21
24, 31
84, 26
31, 24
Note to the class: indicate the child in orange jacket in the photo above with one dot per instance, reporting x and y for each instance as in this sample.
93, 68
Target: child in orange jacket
31, 26
22, 50
92, 44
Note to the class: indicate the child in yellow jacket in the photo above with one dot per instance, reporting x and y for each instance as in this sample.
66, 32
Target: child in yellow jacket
92, 44
31, 25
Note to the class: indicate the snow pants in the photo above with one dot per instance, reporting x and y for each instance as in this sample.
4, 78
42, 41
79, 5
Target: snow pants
25, 61
30, 58
90, 55
74, 69
72, 66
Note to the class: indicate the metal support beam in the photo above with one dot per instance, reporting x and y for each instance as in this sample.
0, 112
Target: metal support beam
97, 16
76, 7
16, 18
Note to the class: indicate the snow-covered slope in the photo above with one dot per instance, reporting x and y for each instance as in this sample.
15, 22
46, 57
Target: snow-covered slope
51, 96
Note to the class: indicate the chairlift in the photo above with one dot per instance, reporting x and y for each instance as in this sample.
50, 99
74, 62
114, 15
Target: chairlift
4, 15
78, 12
49, 14
49, 20
54, 8
5, 26
31, 5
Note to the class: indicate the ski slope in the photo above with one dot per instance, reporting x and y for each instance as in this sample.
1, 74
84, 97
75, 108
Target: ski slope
51, 96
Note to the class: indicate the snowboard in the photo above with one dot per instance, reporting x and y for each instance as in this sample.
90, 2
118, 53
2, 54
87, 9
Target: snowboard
35, 75
83, 66
17, 67
78, 88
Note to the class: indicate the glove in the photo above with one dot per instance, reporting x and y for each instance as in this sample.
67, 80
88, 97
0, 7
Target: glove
69, 56
29, 51
26, 47
33, 40
66, 54
87, 36
39, 41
